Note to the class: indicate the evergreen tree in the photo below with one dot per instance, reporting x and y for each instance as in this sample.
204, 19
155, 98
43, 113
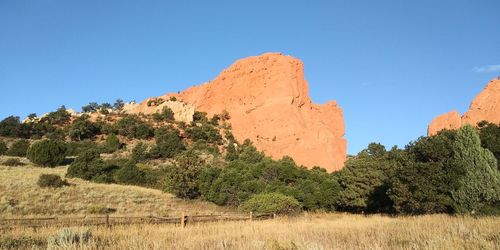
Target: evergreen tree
480, 184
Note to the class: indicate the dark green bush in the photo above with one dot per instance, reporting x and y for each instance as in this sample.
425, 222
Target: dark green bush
3, 147
10, 126
490, 138
100, 209
75, 148
167, 113
82, 129
18, 148
51, 180
248, 153
238, 181
60, 117
88, 165
449, 172
203, 146
421, 188
130, 174
168, 143
200, 117
364, 183
133, 127
140, 152
13, 162
56, 134
206, 132
47, 153
182, 178
275, 203
112, 144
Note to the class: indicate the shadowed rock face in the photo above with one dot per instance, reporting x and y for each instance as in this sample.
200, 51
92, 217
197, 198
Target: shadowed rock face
486, 106
268, 101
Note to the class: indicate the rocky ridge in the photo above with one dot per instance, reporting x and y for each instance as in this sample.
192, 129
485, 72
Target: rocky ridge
268, 102
485, 106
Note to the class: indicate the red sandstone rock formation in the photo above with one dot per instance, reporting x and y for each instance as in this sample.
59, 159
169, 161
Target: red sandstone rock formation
268, 101
486, 106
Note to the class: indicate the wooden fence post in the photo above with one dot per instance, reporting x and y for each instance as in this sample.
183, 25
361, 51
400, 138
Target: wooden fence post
107, 220
183, 219
274, 216
251, 216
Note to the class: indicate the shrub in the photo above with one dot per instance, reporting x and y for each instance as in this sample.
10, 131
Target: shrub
130, 174
248, 152
203, 146
449, 172
82, 128
364, 182
205, 132
140, 152
68, 238
167, 113
18, 148
421, 188
112, 144
490, 138
60, 117
13, 162
76, 148
168, 143
51, 180
275, 203
100, 209
56, 134
89, 166
118, 105
3, 147
90, 108
133, 127
47, 153
182, 178
10, 126
200, 117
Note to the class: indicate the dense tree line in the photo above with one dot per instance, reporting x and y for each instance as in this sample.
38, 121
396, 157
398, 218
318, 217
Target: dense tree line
454, 172
447, 173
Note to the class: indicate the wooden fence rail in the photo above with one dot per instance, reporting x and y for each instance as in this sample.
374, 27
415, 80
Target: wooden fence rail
108, 220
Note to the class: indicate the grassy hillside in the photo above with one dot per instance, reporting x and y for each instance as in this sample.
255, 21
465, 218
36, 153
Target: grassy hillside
20, 195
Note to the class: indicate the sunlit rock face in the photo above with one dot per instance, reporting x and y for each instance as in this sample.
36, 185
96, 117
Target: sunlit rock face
268, 102
486, 106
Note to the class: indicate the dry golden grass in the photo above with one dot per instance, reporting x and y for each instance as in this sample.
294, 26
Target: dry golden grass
313, 231
21, 196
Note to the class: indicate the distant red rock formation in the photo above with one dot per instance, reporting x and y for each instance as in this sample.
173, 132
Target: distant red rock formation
268, 101
486, 106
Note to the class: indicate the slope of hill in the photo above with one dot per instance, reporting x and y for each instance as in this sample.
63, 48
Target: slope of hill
20, 195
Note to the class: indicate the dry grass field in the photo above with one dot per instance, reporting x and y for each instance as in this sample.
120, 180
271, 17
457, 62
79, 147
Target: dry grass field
313, 231
21, 196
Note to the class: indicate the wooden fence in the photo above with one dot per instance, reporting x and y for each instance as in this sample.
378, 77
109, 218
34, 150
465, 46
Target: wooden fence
108, 220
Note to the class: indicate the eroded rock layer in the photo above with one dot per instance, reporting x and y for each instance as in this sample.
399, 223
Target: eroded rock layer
268, 101
486, 106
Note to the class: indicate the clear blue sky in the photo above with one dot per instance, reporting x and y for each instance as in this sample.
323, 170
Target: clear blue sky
391, 65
